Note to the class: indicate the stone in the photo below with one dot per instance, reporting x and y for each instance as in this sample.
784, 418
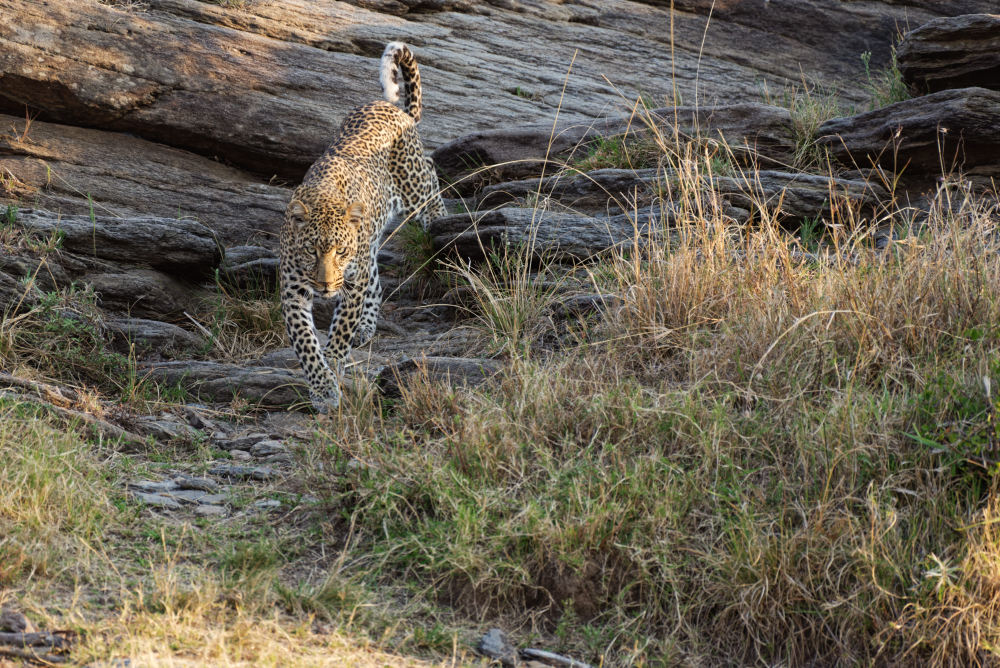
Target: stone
456, 370
243, 442
12, 621
177, 245
960, 128
210, 511
195, 483
267, 504
279, 458
143, 293
152, 486
164, 428
600, 191
494, 645
195, 496
754, 132
239, 455
797, 196
551, 234
196, 417
217, 381
242, 472
157, 500
267, 448
142, 336
952, 52
79, 171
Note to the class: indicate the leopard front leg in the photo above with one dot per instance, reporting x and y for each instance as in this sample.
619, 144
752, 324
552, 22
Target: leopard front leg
296, 309
370, 305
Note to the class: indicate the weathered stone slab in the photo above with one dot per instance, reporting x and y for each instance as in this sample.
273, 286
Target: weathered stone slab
217, 381
76, 171
953, 128
173, 245
151, 336
553, 234
952, 52
456, 370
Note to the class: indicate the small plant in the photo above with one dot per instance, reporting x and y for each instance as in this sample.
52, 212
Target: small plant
885, 86
810, 106
618, 151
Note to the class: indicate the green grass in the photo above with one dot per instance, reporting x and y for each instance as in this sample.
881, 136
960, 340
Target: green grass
885, 86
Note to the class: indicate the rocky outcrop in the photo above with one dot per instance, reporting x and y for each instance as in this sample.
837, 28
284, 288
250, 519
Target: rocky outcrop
264, 85
217, 381
142, 337
80, 171
956, 129
178, 246
796, 197
952, 52
753, 132
550, 234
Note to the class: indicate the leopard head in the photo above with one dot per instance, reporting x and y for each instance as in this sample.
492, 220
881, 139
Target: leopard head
331, 231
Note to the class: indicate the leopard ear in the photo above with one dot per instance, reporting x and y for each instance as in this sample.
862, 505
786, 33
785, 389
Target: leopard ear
298, 211
355, 212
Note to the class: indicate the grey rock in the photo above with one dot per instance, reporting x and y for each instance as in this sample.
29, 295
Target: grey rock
267, 448
279, 458
267, 504
157, 500
598, 191
795, 196
457, 370
242, 472
119, 175
210, 511
195, 496
180, 246
578, 306
164, 428
144, 293
494, 644
243, 442
151, 335
913, 135
12, 621
952, 52
239, 455
552, 234
754, 132
196, 418
222, 382
152, 486
196, 483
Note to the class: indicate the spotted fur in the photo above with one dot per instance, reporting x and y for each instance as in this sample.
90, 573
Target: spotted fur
373, 173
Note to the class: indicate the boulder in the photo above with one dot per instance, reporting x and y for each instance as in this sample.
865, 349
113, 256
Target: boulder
143, 293
551, 234
79, 171
753, 132
952, 52
145, 336
456, 370
221, 382
178, 246
597, 191
954, 128
795, 197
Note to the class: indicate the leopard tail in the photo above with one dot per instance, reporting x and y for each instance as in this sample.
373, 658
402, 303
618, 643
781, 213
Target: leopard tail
399, 71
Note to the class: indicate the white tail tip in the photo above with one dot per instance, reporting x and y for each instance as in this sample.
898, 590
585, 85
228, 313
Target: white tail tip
389, 75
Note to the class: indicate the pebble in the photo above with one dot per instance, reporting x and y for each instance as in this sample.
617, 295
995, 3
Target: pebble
237, 471
267, 504
194, 482
495, 645
157, 500
152, 486
267, 448
209, 511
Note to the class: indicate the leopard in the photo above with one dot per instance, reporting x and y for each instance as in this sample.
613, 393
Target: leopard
372, 176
